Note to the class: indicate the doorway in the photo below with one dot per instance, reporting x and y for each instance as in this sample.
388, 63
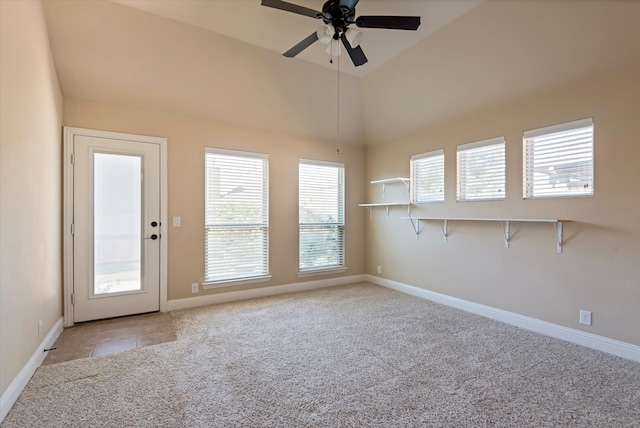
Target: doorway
115, 242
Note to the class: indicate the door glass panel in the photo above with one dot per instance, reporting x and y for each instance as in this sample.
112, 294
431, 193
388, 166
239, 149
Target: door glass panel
117, 216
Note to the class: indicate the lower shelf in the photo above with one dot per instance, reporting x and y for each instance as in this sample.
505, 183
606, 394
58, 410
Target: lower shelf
506, 226
387, 205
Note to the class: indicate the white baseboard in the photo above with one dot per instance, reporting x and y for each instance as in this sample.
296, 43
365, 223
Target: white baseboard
601, 343
14, 390
232, 296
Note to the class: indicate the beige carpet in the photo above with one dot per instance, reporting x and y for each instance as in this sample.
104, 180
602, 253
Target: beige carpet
351, 356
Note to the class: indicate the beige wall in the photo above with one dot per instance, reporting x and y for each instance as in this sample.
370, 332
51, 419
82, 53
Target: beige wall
158, 64
187, 140
599, 268
30, 186
498, 52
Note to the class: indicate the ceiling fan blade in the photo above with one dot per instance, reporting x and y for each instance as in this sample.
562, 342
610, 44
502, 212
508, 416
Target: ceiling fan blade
357, 55
301, 46
290, 7
389, 22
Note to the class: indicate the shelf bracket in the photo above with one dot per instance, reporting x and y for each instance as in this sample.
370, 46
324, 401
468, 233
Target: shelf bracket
443, 225
416, 226
387, 207
558, 229
406, 183
507, 233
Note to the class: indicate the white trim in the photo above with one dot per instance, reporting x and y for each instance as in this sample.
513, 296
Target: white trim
67, 220
233, 282
236, 153
320, 163
69, 134
426, 155
233, 296
322, 271
11, 394
164, 224
488, 142
590, 340
560, 127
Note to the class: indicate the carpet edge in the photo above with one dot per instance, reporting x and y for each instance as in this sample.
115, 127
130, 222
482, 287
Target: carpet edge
232, 296
15, 388
578, 337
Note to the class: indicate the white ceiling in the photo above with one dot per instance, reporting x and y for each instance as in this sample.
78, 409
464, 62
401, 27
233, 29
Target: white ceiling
221, 60
277, 30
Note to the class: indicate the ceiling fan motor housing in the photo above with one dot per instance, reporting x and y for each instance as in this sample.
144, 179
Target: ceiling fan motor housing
340, 14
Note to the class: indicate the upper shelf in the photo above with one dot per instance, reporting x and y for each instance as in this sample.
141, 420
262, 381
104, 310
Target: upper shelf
386, 181
386, 204
391, 180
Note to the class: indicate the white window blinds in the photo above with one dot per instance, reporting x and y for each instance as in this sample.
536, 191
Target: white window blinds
558, 160
236, 215
321, 215
481, 170
427, 177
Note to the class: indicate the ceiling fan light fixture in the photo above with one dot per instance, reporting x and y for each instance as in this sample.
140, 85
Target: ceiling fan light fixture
354, 37
325, 33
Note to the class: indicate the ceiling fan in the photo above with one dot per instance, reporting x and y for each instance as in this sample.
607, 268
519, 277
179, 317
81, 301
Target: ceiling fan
337, 16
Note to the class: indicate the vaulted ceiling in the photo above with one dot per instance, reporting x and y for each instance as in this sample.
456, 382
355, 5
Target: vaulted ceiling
278, 31
222, 60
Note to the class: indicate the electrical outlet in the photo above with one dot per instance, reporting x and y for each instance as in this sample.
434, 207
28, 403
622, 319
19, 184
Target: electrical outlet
39, 328
177, 222
379, 269
585, 317
194, 287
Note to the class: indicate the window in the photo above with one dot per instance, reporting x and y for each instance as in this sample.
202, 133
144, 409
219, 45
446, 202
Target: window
320, 216
236, 216
427, 177
558, 160
481, 170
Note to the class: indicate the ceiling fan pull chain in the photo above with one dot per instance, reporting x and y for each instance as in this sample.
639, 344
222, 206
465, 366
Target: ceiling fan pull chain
338, 102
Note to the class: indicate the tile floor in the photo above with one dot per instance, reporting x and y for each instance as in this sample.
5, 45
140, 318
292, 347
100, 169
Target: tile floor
104, 337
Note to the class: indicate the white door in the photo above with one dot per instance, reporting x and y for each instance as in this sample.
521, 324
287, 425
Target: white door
116, 227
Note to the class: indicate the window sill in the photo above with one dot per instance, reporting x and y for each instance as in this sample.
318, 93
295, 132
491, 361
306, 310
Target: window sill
232, 282
316, 272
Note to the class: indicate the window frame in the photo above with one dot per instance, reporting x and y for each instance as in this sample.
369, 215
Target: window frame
464, 150
552, 134
263, 225
414, 164
338, 225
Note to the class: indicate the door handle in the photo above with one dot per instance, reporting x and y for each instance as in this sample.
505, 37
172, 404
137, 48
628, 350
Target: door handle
154, 224
153, 237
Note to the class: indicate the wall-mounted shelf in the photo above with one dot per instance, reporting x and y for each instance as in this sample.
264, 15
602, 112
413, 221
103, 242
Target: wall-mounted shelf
506, 226
386, 181
387, 205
